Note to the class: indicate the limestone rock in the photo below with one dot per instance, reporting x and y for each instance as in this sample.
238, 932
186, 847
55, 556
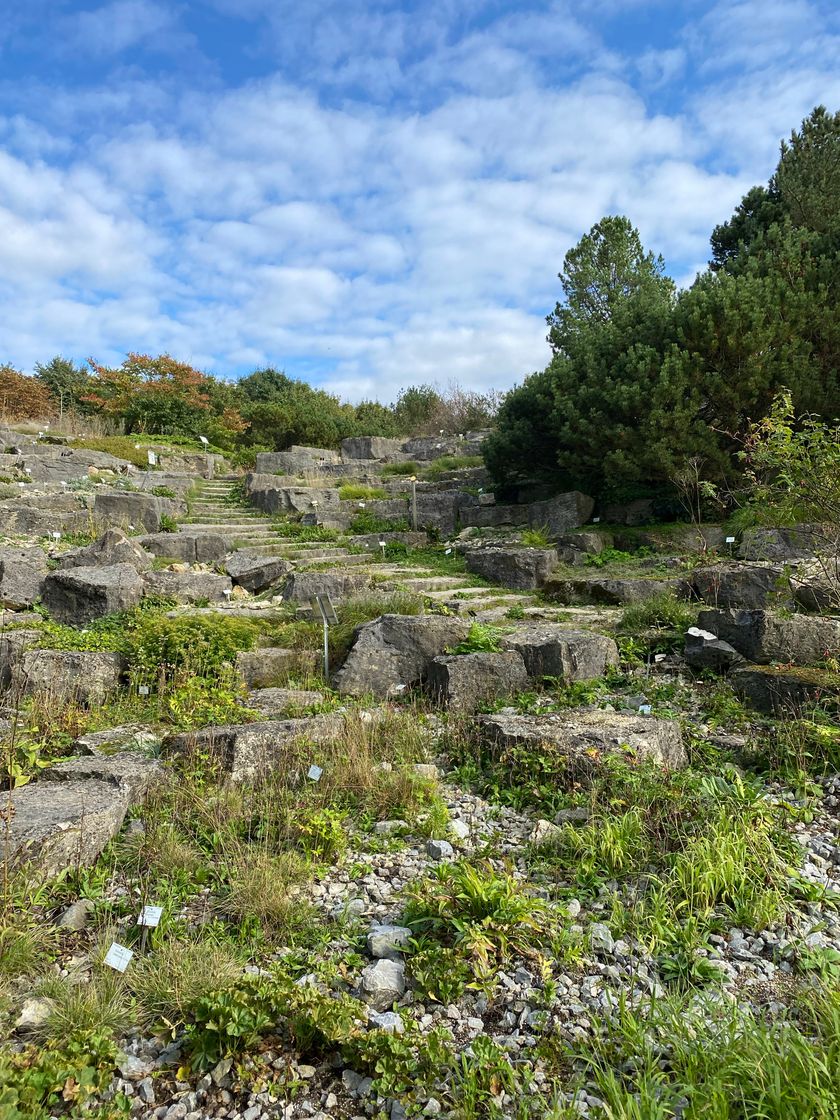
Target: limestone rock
394, 652
300, 587
549, 650
88, 677
561, 513
795, 543
763, 637
612, 592
704, 650
383, 983
523, 569
254, 572
782, 691
273, 702
385, 942
191, 548
816, 584
22, 575
742, 586
371, 447
13, 644
113, 547
266, 667
188, 587
462, 681
79, 595
125, 509
583, 738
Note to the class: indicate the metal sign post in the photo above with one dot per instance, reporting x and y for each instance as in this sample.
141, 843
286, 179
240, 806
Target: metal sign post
413, 481
323, 605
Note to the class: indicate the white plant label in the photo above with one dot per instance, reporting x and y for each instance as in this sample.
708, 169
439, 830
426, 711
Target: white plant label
314, 773
150, 916
152, 458
730, 540
447, 551
143, 690
596, 520
118, 957
645, 710
204, 440
657, 657
56, 536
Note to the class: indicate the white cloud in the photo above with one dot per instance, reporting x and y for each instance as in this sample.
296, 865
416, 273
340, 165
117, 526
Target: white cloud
124, 24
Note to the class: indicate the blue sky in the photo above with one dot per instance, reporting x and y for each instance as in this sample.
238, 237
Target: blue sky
369, 195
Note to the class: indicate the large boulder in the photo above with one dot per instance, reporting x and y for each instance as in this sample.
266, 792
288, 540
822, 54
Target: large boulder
44, 514
440, 511
764, 637
188, 587
393, 653
782, 691
523, 569
272, 703
248, 749
799, 542
186, 547
22, 575
582, 739
561, 513
265, 667
371, 447
126, 510
704, 650
79, 595
549, 650
749, 586
816, 584
67, 817
113, 547
13, 644
66, 464
613, 592
463, 681
300, 587
85, 676
254, 572
297, 460
266, 493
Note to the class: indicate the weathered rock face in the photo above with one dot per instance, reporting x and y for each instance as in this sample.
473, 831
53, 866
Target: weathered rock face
265, 667
637, 512
816, 584
494, 516
113, 547
13, 643
521, 568
613, 592
703, 650
266, 493
79, 595
464, 681
129, 737
245, 750
123, 510
584, 738
87, 677
782, 692
189, 548
67, 464
272, 703
300, 587
68, 816
371, 447
747, 586
188, 587
440, 511
22, 575
394, 652
296, 460
561, 513
798, 542
571, 655
42, 516
254, 572
383, 983
763, 637
371, 540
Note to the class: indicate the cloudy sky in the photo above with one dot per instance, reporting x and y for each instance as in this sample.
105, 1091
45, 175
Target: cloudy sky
368, 193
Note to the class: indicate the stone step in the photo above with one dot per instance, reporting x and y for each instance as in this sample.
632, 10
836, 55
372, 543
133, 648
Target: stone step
458, 592
352, 559
230, 525
432, 583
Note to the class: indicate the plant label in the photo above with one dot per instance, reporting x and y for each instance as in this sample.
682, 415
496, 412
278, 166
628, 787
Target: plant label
314, 773
204, 440
152, 458
143, 690
596, 520
730, 540
150, 916
56, 536
447, 551
118, 957
645, 709
657, 657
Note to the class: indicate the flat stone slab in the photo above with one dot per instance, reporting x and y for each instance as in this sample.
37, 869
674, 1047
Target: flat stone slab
277, 701
612, 592
245, 750
782, 691
549, 650
763, 637
463, 681
586, 737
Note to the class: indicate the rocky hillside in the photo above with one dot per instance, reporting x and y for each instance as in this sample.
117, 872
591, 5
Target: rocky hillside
549, 829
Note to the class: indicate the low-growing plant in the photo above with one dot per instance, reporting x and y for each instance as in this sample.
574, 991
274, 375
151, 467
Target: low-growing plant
660, 621
167, 982
358, 491
481, 638
538, 537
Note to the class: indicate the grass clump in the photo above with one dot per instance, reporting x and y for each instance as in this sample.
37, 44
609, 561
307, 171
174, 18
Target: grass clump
659, 622
481, 638
357, 491
306, 534
399, 470
447, 463
539, 537
366, 521
167, 982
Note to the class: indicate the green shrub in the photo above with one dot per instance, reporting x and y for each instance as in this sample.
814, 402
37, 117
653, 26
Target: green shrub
366, 521
399, 469
168, 524
661, 621
163, 492
357, 491
480, 639
537, 538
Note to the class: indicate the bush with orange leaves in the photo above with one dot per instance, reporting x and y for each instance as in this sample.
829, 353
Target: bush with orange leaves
22, 397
